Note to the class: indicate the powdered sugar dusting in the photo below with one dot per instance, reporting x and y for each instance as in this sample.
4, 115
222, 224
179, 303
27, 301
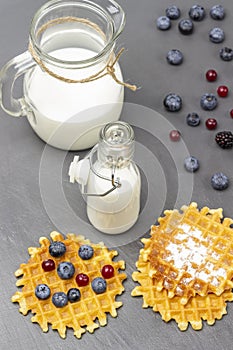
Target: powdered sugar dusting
191, 254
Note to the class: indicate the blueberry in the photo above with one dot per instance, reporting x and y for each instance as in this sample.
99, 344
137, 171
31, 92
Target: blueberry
219, 181
217, 12
172, 102
226, 54
85, 252
175, 57
197, 13
163, 23
73, 295
99, 285
193, 119
57, 249
191, 164
209, 102
42, 291
65, 270
216, 35
60, 299
173, 12
186, 26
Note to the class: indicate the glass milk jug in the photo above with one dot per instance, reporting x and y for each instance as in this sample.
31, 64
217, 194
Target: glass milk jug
72, 80
110, 180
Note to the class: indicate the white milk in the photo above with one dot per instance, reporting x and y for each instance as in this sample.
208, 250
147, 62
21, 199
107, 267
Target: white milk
70, 115
118, 211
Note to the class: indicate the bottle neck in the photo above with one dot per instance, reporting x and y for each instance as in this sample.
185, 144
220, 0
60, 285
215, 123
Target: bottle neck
116, 145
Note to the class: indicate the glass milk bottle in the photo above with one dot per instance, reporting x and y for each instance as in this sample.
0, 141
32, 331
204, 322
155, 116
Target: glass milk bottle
110, 180
72, 80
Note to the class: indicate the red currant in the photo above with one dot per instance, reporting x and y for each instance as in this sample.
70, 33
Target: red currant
231, 113
48, 265
222, 91
107, 271
82, 280
211, 123
211, 75
174, 135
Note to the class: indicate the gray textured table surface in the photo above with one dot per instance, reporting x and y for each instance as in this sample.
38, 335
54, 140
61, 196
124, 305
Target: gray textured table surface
28, 210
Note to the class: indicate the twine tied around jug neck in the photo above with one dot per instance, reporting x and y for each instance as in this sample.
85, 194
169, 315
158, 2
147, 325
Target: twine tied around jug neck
108, 69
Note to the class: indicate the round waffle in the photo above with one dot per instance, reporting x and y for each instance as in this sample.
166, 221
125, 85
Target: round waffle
91, 310
191, 252
198, 308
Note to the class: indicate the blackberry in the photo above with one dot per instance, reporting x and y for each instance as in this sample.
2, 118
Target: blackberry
224, 139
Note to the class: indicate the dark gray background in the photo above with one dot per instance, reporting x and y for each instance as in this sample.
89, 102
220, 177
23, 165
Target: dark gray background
23, 214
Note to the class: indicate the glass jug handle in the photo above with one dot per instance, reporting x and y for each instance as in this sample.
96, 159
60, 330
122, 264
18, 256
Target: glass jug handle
8, 75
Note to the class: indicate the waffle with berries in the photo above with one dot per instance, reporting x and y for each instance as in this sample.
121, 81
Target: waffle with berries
92, 284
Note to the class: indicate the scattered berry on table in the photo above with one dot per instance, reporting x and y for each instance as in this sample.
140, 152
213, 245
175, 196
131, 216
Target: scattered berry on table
193, 119
224, 139
99, 285
57, 249
48, 265
172, 102
222, 91
174, 57
42, 291
191, 164
60, 299
197, 13
211, 75
82, 280
186, 26
219, 181
216, 35
73, 295
86, 252
217, 12
226, 54
107, 271
174, 135
163, 23
231, 113
211, 123
65, 270
173, 12
209, 102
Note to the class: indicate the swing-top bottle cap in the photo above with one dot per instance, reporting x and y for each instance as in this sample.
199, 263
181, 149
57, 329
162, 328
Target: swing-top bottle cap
116, 144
